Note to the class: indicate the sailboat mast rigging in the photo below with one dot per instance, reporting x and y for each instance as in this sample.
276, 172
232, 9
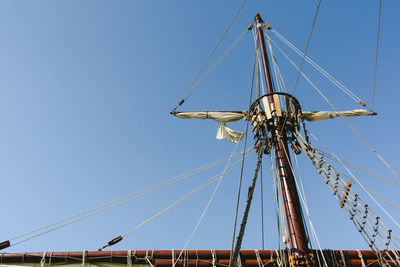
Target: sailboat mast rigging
297, 234
277, 122
271, 127
277, 119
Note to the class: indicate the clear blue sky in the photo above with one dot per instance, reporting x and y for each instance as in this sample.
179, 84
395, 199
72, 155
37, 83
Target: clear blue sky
85, 93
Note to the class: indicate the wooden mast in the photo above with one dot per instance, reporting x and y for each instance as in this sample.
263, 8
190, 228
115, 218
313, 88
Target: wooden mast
297, 234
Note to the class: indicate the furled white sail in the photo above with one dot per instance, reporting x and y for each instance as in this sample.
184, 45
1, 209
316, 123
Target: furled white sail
325, 115
220, 116
231, 116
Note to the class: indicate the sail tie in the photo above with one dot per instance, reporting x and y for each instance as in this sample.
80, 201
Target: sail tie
259, 260
271, 258
173, 256
51, 255
129, 259
84, 256
343, 258
278, 259
361, 258
214, 258
43, 260
149, 258
239, 261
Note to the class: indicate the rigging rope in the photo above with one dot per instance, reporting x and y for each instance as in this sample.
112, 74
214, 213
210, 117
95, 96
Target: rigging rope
326, 177
278, 76
256, 56
370, 191
376, 53
281, 211
305, 52
377, 203
344, 164
377, 176
262, 207
277, 86
215, 65
106, 206
276, 201
234, 256
308, 43
186, 95
373, 230
190, 194
318, 68
304, 201
209, 202
259, 71
302, 192
244, 148
346, 120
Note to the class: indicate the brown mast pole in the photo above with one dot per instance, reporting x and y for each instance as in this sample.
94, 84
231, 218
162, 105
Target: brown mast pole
297, 233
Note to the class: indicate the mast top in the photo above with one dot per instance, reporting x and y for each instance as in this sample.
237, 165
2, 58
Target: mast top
258, 20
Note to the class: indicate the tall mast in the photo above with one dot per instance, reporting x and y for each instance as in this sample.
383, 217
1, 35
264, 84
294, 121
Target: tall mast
296, 230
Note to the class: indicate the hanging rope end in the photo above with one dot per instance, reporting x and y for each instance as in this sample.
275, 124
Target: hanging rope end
5, 244
173, 112
112, 242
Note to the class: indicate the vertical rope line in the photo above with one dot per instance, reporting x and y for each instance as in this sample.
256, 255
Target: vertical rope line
212, 52
276, 201
257, 74
259, 71
241, 169
376, 53
347, 121
282, 214
304, 55
317, 67
262, 208
215, 65
208, 203
306, 205
308, 43
280, 78
235, 256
